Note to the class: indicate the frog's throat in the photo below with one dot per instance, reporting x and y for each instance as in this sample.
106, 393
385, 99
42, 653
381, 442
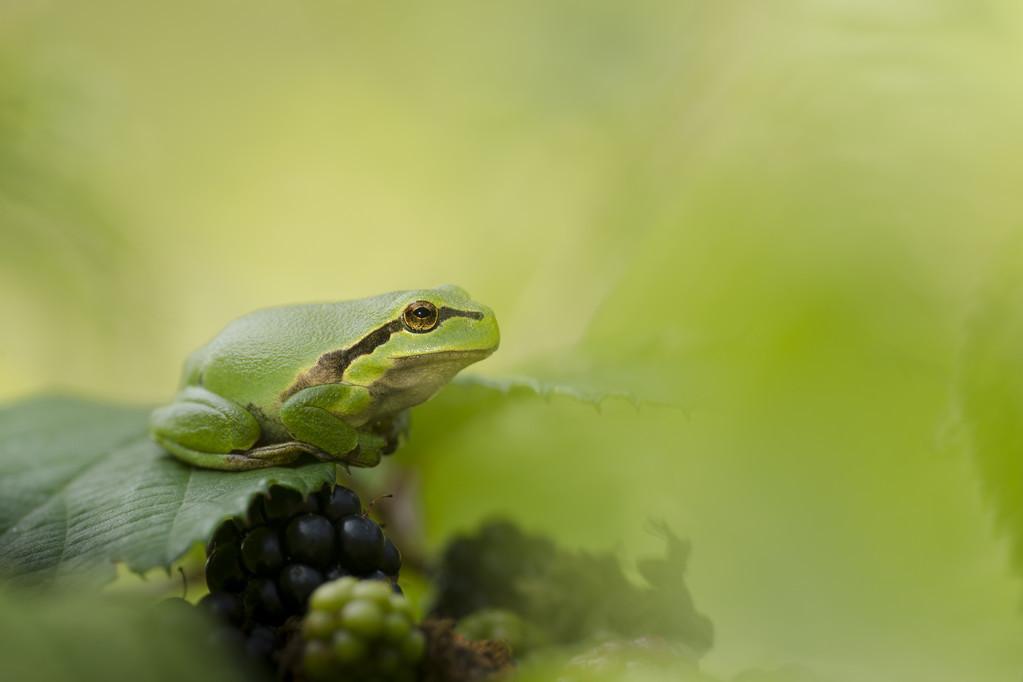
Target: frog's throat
331, 366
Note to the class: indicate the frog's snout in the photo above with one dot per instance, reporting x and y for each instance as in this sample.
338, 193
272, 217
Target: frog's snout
491, 332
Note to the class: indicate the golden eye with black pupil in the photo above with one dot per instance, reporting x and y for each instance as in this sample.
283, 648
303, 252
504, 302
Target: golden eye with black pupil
420, 316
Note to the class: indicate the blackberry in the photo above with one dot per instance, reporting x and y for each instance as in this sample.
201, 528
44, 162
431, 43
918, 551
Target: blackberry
262, 553
390, 558
224, 606
376, 575
263, 601
487, 570
340, 502
297, 582
263, 567
358, 629
256, 513
224, 571
336, 572
362, 543
310, 539
283, 503
261, 643
227, 533
561, 596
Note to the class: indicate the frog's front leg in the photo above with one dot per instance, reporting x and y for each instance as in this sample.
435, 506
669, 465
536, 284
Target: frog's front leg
210, 431
319, 416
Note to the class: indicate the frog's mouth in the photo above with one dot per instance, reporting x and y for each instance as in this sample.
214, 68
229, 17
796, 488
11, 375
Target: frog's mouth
412, 379
463, 357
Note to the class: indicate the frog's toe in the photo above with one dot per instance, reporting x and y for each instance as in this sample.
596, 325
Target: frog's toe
363, 457
229, 461
280, 454
204, 429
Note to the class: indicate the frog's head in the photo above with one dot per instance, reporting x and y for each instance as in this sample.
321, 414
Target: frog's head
432, 335
440, 324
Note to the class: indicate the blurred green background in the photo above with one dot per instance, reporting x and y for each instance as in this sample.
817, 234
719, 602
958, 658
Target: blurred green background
770, 222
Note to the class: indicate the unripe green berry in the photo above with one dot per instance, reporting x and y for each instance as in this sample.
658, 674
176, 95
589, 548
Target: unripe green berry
400, 604
318, 660
377, 591
318, 625
396, 626
414, 646
388, 660
347, 647
332, 596
362, 617
360, 630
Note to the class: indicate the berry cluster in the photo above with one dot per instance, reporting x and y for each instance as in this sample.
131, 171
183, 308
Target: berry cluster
360, 630
486, 570
261, 570
561, 596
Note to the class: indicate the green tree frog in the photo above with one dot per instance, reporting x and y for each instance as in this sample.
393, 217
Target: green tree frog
331, 380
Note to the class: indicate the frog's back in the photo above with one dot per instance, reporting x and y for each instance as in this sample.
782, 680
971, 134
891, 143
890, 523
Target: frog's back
258, 356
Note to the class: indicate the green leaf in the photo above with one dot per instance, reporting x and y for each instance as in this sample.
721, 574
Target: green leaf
82, 486
530, 385
81, 635
991, 401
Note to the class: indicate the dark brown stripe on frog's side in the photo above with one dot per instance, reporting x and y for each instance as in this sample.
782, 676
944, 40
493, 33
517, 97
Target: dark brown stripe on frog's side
331, 366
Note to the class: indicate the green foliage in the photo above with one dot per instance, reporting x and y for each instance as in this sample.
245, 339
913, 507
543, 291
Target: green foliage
532, 386
773, 215
82, 486
990, 395
77, 635
640, 660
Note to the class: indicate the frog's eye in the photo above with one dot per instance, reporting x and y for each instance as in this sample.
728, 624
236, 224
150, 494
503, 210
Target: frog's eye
420, 316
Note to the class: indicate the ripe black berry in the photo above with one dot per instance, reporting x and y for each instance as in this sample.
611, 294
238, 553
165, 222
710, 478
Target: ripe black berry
339, 503
263, 601
224, 606
376, 575
390, 558
227, 533
296, 583
261, 551
260, 643
337, 572
223, 570
256, 514
362, 543
283, 503
309, 539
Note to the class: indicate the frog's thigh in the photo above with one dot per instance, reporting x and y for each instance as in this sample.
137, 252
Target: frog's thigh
316, 414
202, 428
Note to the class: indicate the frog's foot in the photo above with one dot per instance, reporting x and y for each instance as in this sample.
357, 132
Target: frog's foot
393, 430
280, 454
313, 416
206, 430
230, 461
367, 453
